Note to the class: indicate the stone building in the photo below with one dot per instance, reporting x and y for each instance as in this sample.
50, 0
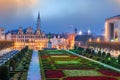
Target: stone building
28, 37
112, 29
37, 39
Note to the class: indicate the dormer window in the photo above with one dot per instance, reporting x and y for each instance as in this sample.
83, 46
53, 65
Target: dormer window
29, 30
20, 31
38, 32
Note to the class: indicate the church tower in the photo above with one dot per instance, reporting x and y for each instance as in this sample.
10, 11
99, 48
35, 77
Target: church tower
38, 31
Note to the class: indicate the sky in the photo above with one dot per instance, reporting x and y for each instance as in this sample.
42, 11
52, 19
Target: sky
58, 16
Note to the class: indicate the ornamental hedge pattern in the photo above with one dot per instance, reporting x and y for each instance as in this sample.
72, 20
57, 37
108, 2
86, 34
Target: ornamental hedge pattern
61, 65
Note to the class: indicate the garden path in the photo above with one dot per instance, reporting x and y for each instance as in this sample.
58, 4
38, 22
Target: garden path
34, 69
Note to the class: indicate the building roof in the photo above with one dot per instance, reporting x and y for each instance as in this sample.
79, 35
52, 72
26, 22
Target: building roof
52, 35
117, 16
82, 38
24, 31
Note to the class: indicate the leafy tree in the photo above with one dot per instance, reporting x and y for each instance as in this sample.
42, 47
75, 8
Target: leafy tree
12, 63
4, 73
75, 47
103, 54
108, 55
99, 53
93, 52
119, 59
80, 49
88, 51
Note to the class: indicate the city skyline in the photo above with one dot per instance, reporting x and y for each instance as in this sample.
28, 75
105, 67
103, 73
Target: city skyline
59, 39
58, 16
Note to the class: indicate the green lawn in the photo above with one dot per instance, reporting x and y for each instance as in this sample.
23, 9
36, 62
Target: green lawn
71, 73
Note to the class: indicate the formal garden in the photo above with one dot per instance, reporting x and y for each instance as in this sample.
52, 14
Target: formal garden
62, 65
17, 67
100, 56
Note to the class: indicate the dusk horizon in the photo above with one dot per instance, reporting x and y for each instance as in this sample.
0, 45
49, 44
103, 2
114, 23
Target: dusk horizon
59, 39
58, 16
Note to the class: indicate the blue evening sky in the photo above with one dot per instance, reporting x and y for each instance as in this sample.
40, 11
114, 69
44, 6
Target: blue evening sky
58, 16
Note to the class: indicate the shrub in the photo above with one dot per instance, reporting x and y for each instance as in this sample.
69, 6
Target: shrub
103, 54
119, 59
4, 73
99, 53
108, 55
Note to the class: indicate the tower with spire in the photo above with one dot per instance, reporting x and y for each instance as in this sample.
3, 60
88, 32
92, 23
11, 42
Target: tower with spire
38, 31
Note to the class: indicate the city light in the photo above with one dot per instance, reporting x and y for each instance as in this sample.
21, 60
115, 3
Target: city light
80, 32
59, 40
89, 32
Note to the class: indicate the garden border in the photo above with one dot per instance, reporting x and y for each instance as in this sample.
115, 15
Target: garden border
105, 65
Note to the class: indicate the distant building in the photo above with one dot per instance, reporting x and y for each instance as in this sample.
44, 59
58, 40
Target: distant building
81, 40
38, 40
63, 41
2, 34
27, 37
112, 29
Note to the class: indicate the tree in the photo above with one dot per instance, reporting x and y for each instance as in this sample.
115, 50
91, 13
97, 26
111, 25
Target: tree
12, 64
80, 49
75, 47
4, 73
119, 59
93, 52
99, 53
108, 55
103, 54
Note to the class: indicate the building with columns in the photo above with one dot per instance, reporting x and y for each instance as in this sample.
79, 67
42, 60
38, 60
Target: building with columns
111, 44
37, 39
28, 37
112, 29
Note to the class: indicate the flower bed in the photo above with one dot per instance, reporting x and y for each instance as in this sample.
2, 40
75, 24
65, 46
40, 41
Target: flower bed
76, 68
55, 53
72, 56
90, 78
58, 56
67, 62
70, 67
44, 56
109, 73
73, 73
54, 74
63, 59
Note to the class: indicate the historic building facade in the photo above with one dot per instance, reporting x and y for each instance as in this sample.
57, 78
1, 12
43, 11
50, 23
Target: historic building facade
63, 41
112, 29
37, 39
27, 37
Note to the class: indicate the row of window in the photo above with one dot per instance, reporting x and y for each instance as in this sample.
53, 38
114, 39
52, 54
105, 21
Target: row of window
28, 36
25, 40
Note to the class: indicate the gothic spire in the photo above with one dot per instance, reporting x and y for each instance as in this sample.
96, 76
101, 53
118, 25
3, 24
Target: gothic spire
38, 21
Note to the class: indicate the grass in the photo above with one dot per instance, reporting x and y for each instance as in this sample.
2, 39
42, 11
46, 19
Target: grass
73, 73
67, 62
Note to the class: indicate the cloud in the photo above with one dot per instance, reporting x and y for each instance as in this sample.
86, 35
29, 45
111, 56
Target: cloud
13, 9
115, 2
118, 1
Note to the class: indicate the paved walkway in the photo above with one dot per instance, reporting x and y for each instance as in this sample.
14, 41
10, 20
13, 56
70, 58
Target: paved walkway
34, 70
105, 65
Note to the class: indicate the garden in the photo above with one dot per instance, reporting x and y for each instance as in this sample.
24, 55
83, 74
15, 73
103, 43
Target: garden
99, 56
17, 67
61, 65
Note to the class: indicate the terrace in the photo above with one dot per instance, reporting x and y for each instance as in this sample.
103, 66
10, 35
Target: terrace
68, 66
